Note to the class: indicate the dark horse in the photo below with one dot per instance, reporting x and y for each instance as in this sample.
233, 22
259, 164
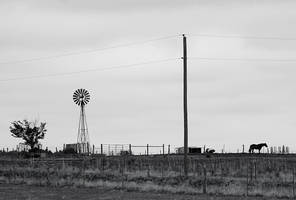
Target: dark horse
257, 146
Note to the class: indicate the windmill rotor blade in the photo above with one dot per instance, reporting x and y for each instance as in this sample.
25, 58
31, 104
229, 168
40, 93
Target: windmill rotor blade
76, 98
81, 96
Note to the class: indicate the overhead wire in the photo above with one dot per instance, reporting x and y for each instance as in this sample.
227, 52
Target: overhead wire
241, 36
90, 70
243, 59
86, 51
148, 62
140, 42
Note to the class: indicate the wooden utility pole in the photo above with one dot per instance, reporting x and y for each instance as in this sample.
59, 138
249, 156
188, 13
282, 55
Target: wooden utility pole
185, 106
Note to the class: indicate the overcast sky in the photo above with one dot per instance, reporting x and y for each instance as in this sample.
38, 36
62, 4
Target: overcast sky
230, 102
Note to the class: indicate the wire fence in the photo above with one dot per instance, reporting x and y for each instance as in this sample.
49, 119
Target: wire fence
229, 174
147, 149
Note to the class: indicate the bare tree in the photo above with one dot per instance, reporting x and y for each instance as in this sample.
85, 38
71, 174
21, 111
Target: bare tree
30, 132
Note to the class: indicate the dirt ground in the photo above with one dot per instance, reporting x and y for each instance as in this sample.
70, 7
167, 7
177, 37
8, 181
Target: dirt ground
25, 192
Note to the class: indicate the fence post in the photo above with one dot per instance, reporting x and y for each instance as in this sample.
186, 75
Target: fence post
162, 149
255, 170
148, 169
147, 149
63, 166
97, 163
130, 149
122, 169
247, 178
93, 149
204, 188
169, 149
293, 189
251, 172
101, 149
103, 163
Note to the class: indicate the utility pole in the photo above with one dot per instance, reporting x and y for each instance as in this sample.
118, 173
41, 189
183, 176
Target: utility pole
185, 105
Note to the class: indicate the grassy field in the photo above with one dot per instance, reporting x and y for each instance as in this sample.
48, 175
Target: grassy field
219, 174
25, 192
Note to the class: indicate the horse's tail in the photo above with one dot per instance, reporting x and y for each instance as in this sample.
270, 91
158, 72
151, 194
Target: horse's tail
250, 150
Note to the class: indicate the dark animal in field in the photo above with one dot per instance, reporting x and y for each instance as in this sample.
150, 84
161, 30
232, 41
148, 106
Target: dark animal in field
208, 150
257, 147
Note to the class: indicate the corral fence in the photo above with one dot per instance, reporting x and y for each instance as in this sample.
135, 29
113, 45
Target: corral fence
129, 149
109, 149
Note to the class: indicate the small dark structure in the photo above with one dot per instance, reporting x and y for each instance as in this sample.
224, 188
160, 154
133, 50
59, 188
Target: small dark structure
191, 150
70, 147
257, 147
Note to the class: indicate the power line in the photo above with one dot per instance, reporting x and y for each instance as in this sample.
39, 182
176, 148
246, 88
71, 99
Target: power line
90, 70
241, 36
86, 51
243, 59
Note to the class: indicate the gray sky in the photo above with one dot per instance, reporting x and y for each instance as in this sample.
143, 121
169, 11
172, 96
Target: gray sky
230, 102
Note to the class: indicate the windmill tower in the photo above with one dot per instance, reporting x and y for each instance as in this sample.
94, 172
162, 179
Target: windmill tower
81, 98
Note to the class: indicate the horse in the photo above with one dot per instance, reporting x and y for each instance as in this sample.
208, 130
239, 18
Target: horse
256, 146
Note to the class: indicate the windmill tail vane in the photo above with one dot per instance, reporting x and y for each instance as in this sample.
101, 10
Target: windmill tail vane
81, 97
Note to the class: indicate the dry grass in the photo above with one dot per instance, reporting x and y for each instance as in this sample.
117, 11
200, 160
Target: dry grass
270, 177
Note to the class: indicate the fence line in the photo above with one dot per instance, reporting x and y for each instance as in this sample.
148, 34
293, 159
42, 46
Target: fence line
271, 176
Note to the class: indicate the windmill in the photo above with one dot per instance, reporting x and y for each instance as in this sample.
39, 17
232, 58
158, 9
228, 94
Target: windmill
81, 98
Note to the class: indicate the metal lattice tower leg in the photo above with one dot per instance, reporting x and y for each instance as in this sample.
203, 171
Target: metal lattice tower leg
83, 137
